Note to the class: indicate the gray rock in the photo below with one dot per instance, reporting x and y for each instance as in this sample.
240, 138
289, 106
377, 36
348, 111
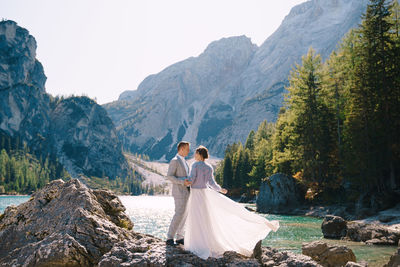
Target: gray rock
279, 194
216, 98
157, 254
326, 255
257, 251
322, 211
334, 227
129, 254
356, 264
273, 257
394, 260
372, 233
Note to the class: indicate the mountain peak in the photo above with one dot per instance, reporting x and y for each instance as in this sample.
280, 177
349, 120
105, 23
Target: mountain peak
18, 50
313, 9
76, 130
218, 97
229, 43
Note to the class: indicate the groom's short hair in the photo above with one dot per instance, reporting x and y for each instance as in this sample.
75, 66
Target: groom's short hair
182, 144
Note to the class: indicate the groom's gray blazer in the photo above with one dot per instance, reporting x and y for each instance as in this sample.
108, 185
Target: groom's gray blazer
180, 193
177, 170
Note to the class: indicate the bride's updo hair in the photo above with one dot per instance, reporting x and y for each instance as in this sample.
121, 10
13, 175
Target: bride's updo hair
203, 152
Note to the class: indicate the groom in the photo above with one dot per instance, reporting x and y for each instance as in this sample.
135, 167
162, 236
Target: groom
178, 171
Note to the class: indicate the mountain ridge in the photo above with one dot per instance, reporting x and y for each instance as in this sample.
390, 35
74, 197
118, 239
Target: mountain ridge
234, 106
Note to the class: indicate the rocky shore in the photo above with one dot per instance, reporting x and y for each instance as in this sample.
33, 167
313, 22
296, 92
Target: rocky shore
68, 224
335, 227
283, 194
367, 231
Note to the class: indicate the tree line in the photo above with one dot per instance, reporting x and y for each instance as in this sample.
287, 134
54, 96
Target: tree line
22, 171
339, 127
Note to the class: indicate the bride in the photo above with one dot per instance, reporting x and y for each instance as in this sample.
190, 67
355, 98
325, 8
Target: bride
215, 223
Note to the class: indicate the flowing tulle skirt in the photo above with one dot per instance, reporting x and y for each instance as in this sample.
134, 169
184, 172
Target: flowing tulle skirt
216, 224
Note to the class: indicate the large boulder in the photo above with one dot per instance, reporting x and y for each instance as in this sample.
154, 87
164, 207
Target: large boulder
65, 223
334, 227
329, 256
279, 193
394, 260
373, 234
68, 224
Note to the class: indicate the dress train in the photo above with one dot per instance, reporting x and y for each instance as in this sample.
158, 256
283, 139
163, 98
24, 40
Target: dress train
216, 224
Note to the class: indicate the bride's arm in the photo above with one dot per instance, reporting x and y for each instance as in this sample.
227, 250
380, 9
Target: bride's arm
212, 183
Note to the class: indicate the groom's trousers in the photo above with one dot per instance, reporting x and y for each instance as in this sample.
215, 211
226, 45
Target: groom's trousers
179, 218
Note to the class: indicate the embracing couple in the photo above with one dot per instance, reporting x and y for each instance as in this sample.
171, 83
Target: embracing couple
206, 222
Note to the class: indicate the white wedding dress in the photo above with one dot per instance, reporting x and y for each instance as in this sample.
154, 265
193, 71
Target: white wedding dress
216, 224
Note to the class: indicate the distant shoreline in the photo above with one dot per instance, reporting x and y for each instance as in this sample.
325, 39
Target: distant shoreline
18, 195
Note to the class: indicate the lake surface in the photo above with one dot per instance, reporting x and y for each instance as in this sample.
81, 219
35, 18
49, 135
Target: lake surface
152, 215
6, 201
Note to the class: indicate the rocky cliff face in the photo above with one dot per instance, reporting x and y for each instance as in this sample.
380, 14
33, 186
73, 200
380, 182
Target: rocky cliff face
24, 103
85, 138
218, 97
75, 129
192, 100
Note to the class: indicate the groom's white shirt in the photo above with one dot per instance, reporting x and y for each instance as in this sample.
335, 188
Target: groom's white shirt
184, 163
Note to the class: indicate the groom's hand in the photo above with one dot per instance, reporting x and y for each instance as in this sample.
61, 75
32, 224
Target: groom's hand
223, 191
187, 182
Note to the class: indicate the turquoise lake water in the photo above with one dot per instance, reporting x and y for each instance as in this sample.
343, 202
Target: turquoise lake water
152, 215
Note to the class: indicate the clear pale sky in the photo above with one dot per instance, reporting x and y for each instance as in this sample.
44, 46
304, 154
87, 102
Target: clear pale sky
102, 48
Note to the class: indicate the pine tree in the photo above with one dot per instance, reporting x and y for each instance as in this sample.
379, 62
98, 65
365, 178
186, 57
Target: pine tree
245, 169
310, 143
250, 140
227, 174
237, 167
372, 128
338, 79
261, 166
